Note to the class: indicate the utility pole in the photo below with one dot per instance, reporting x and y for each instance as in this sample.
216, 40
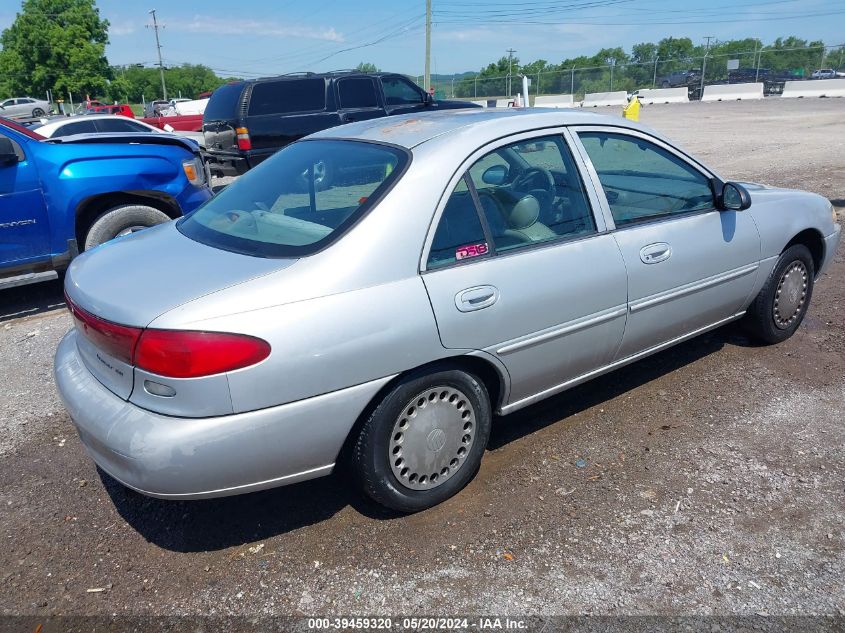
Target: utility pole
759, 56
158, 47
510, 69
704, 63
427, 82
654, 78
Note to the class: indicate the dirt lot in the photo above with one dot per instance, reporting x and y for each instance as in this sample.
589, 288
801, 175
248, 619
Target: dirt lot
713, 480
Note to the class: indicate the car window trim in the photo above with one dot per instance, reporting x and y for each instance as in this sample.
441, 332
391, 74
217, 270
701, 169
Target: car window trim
659, 142
463, 169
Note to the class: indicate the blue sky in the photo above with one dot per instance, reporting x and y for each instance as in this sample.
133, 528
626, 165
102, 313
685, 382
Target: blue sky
253, 37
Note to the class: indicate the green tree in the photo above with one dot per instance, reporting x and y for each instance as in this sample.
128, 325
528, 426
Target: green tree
58, 45
367, 67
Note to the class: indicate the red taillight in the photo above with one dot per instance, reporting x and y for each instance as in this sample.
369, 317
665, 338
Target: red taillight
116, 340
190, 354
244, 141
171, 353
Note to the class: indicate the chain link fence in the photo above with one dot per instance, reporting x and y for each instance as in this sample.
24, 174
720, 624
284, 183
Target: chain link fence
772, 67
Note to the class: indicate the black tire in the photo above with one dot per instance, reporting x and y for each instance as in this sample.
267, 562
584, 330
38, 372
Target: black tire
762, 321
665, 84
37, 112
119, 219
371, 452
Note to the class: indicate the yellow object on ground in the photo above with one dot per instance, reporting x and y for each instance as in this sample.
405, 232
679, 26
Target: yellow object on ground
632, 110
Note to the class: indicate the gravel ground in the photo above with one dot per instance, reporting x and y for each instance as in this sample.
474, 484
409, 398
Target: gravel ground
713, 480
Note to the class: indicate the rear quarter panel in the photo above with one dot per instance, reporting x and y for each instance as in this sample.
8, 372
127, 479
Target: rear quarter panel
327, 343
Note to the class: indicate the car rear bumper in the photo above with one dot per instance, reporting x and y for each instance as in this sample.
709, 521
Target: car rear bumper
226, 164
192, 458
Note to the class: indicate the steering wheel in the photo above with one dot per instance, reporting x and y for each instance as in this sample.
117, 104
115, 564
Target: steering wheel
535, 178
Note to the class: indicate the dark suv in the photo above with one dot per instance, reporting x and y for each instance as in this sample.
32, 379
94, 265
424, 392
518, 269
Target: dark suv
247, 121
680, 78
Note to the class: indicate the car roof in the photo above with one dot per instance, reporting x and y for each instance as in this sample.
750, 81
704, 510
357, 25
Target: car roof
487, 124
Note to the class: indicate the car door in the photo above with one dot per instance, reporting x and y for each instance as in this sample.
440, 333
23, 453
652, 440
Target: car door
11, 107
357, 99
24, 225
690, 266
401, 96
519, 266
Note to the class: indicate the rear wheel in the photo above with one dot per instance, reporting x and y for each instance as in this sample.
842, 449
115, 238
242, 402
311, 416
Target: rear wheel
424, 441
122, 220
779, 308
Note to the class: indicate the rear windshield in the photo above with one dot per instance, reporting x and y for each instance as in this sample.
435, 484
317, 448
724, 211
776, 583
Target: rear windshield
287, 95
223, 104
298, 201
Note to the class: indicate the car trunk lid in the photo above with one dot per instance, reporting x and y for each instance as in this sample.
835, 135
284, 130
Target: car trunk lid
130, 281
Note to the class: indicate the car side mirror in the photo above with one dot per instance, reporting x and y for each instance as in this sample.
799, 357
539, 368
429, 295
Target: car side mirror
8, 155
495, 175
734, 197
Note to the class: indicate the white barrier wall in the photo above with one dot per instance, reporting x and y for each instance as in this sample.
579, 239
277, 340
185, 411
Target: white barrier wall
595, 99
651, 96
554, 101
505, 103
733, 92
814, 88
483, 104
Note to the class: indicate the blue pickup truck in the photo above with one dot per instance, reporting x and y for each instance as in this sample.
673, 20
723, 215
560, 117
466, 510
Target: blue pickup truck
59, 197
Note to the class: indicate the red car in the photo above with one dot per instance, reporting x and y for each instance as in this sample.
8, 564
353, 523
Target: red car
123, 110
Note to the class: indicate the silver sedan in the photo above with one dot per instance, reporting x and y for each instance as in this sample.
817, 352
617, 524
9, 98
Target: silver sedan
378, 291
25, 107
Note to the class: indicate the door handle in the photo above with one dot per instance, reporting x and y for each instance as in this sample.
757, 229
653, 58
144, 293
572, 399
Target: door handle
655, 253
476, 298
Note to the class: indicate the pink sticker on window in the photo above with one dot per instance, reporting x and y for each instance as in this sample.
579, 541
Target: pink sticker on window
471, 250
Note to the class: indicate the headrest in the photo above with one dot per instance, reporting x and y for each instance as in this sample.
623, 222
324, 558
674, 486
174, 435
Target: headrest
524, 213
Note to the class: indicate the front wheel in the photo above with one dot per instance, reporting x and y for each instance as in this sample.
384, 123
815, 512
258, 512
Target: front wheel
779, 308
424, 441
122, 220
37, 112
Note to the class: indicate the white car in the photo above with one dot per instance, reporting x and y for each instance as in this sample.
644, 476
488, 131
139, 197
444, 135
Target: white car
25, 107
98, 123
824, 73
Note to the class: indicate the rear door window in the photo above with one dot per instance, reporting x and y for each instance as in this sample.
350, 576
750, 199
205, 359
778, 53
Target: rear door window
287, 96
357, 92
77, 127
121, 124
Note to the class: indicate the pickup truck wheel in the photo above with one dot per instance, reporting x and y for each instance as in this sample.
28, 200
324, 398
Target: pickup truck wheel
778, 310
122, 220
424, 441
37, 112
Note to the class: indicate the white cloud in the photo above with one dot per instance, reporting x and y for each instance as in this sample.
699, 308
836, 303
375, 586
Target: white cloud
121, 28
247, 27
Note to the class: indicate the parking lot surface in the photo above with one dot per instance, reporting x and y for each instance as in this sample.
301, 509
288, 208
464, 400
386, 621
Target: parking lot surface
706, 479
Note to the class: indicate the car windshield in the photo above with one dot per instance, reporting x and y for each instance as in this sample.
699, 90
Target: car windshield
298, 201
